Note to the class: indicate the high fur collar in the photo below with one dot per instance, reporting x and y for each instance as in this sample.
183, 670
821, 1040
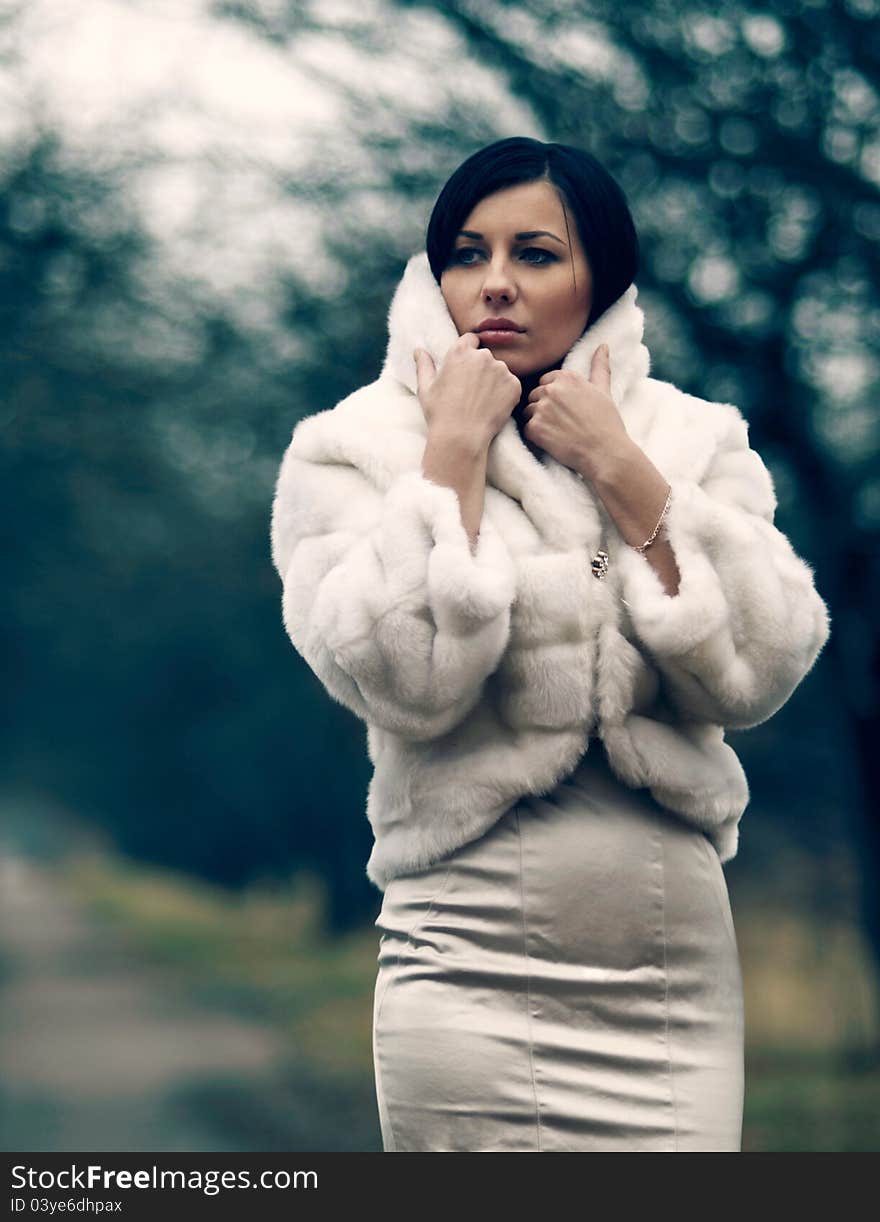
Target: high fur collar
556, 498
420, 318
381, 429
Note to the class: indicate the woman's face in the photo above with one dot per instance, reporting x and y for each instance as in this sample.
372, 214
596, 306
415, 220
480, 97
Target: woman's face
513, 259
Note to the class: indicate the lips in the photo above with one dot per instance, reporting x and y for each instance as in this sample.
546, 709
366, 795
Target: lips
498, 331
498, 324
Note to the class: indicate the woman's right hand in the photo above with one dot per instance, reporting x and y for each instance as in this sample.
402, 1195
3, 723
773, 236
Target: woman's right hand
473, 394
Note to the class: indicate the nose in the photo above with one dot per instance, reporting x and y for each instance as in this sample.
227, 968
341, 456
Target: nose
499, 283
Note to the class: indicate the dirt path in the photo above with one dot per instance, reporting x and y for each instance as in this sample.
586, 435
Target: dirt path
99, 1053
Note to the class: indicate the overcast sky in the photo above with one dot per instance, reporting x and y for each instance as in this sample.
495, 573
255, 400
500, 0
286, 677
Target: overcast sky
209, 123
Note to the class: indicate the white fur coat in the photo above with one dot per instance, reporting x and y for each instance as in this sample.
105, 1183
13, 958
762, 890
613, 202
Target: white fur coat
483, 676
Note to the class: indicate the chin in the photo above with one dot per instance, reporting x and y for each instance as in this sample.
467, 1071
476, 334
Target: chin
521, 368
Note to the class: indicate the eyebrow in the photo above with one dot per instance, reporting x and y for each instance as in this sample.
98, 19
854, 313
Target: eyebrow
520, 237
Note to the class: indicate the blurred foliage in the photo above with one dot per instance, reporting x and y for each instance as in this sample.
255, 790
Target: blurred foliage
192, 262
812, 1077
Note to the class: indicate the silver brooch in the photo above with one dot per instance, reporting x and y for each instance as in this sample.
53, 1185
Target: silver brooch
599, 564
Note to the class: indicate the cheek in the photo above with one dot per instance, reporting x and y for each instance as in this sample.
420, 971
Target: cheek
563, 317
453, 305
558, 313
558, 302
455, 310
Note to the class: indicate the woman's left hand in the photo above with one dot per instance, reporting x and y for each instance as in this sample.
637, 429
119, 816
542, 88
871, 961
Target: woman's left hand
574, 418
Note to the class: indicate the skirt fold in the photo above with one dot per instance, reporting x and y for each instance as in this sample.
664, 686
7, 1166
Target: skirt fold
569, 981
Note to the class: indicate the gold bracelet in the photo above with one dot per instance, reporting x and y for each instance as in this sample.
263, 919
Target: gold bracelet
643, 547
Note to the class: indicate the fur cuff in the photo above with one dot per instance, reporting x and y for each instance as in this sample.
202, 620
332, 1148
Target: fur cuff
675, 624
465, 589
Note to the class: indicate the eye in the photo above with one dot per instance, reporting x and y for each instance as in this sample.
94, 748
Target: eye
544, 256
458, 256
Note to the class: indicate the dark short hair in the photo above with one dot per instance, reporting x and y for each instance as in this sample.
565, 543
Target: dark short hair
604, 222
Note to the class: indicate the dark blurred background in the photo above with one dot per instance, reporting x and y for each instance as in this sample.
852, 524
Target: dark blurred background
204, 211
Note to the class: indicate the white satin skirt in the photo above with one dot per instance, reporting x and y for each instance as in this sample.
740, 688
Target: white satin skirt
569, 981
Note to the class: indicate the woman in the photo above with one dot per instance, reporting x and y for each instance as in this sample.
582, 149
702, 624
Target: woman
547, 583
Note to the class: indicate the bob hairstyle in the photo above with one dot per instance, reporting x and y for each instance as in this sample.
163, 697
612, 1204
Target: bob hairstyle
604, 222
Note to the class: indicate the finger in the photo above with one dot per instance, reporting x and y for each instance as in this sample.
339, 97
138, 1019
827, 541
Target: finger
548, 376
600, 368
469, 339
425, 370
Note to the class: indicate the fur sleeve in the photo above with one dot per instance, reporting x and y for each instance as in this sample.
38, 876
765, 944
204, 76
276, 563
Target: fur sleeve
383, 597
747, 623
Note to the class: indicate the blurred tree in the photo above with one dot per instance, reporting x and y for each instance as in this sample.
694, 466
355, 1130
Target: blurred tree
160, 348
748, 143
184, 279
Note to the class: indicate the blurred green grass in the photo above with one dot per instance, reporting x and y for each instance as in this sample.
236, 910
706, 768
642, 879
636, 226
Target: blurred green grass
812, 1101
812, 1068
260, 952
